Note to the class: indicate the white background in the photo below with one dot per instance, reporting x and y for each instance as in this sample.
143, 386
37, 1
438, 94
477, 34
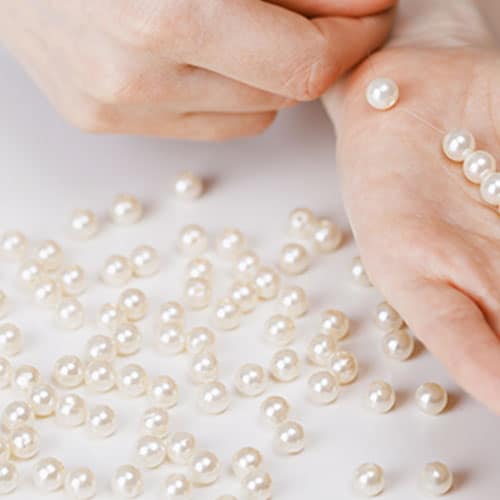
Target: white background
48, 169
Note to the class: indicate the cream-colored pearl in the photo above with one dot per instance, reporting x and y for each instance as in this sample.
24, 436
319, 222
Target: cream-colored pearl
358, 273
25, 377
13, 245
478, 165
133, 303
431, 398
133, 380
83, 224
43, 400
192, 240
116, 271
127, 482
380, 397
301, 223
150, 451
126, 209
17, 414
48, 475
268, 283
345, 366
197, 293
279, 330
80, 484
5, 373
293, 301
205, 468
11, 339
436, 478
177, 487
24, 442
334, 323
382, 93
171, 312
274, 410
145, 261
226, 314
398, 344
128, 339
457, 144
368, 480
204, 367
387, 318
164, 391
100, 347
100, 376
285, 365
200, 339
323, 387
294, 259
257, 485
47, 292
102, 421
50, 255
180, 447
490, 189
170, 339
290, 438
251, 380
321, 348
230, 244
69, 314
4, 304
199, 268
155, 421
71, 410
9, 478
213, 398
109, 317
246, 266
73, 280
188, 186
29, 274
327, 236
245, 461
244, 295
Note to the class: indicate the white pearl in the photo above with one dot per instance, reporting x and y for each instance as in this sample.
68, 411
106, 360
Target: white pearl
25, 377
29, 274
188, 186
145, 261
246, 266
251, 380
180, 447
213, 398
17, 414
478, 165
199, 268
199, 339
5, 373
47, 292
327, 236
345, 365
100, 376
431, 398
127, 482
13, 245
358, 273
128, 339
101, 421
71, 410
334, 323
205, 468
171, 312
4, 304
109, 317
368, 480
382, 93
9, 478
197, 293
133, 303
380, 397
80, 484
4, 449
50, 255
257, 485
293, 301
436, 478
192, 240
116, 271
155, 421
164, 391
83, 224
24, 442
294, 259
126, 209
170, 339
458, 144
11, 339
226, 314
290, 438
268, 283
274, 410
177, 487
133, 380
70, 314
43, 400
301, 223
490, 189
150, 451
230, 244
279, 330
245, 461
100, 347
244, 295
387, 318
73, 280
321, 348
323, 387
285, 365
48, 475
398, 344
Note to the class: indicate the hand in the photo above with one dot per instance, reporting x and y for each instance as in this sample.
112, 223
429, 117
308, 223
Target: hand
198, 69
428, 242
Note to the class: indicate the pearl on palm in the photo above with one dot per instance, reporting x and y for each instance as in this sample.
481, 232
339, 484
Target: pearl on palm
155, 421
358, 273
133, 380
29, 274
5, 373
180, 447
458, 144
279, 330
285, 365
164, 391
294, 259
101, 421
368, 480
47, 292
274, 410
213, 398
145, 261
83, 224
188, 186
478, 165
290, 438
43, 400
127, 482
50, 255
116, 271
323, 387
230, 243
245, 461
490, 189
80, 484
48, 475
301, 223
387, 318
199, 268
192, 240
431, 398
100, 347
436, 478
345, 365
320, 349
199, 339
246, 266
334, 323
73, 280
197, 293
171, 312
226, 314
17, 414
71, 410
128, 339
327, 236
100, 376
126, 209
244, 295
24, 442
268, 283
205, 468
133, 303
11, 339
25, 377
398, 344
380, 397
3, 304
109, 317
69, 314
382, 93
170, 339
9, 478
177, 487
257, 485
13, 245
293, 301
150, 451
251, 380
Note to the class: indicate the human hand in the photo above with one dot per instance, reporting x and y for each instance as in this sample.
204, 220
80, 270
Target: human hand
197, 69
428, 242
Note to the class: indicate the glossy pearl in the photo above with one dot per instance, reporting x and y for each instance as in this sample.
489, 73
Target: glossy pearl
80, 484
258, 485
478, 165
100, 348
24, 442
145, 261
127, 482
213, 398
345, 366
155, 421
3, 304
163, 391
431, 398
334, 323
5, 373
170, 339
29, 274
279, 330
246, 266
327, 236
293, 301
226, 314
133, 380
69, 314
244, 295
458, 144
320, 349
294, 259
47, 292
387, 318
116, 271
126, 209
17, 414
382, 93
100, 376
71, 410
150, 451
13, 245
323, 387
192, 240
205, 468
199, 268
11, 339
274, 410
171, 312
268, 283
109, 317
301, 223
251, 380
48, 475
358, 273
177, 487
133, 303
490, 189
101, 421
180, 447
43, 400
368, 480
188, 186
50, 255
73, 280
398, 344
25, 377
9, 478
290, 438
380, 397
197, 293
436, 478
230, 244
245, 461
128, 339
285, 365
83, 224
200, 339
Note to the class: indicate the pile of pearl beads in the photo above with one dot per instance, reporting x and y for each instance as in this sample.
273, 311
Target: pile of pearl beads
230, 243
387, 318
199, 339
116, 271
101, 421
293, 301
47, 292
69, 314
50, 255
279, 330
323, 387
245, 461
431, 398
171, 312
128, 339
126, 209
285, 365
244, 295
132, 380
180, 447
127, 482
197, 293
188, 186
213, 398
80, 483
150, 451
109, 317
25, 377
294, 259
133, 303
199, 268
290, 438
177, 487
345, 365
145, 261
73, 280
17, 414
204, 367
100, 376
257, 485
368, 480
71, 410
13, 245
9, 478
436, 478
163, 391
267, 282
43, 400
246, 266
11, 339
24, 442
192, 240
320, 349
398, 344
205, 468
251, 380
155, 421
226, 314
48, 475
380, 397
382, 93
274, 410
334, 323
170, 339
83, 224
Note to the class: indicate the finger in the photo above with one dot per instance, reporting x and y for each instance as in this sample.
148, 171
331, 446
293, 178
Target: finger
336, 7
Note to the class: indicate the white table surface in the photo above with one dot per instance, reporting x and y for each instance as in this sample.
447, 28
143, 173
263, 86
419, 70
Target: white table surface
48, 169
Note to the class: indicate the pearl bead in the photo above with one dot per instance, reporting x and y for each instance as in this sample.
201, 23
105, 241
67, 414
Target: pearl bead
24, 442
382, 93
100, 376
294, 259
126, 209
109, 317
245, 461
398, 344
246, 266
268, 283
358, 273
133, 380
192, 240
436, 478
279, 330
387, 318
490, 189
213, 398
197, 293
43, 400
116, 271
127, 482
205, 468
327, 236
290, 438
251, 380
164, 391
320, 349
226, 314
188, 186
100, 347
25, 377
155, 421
199, 268
80, 484
274, 410
478, 165
200, 339
230, 244
50, 255
13, 245
171, 312
48, 475
71, 410
83, 224
301, 223
293, 301
258, 485
17, 414
5, 373
101, 421
8, 478
323, 387
177, 487
134, 303
431, 398
145, 261
47, 292
334, 323
29, 274
11, 339
150, 451
170, 339
380, 397
285, 365
3, 304
70, 314
458, 144
244, 295
180, 447
345, 365
73, 280
128, 339
368, 480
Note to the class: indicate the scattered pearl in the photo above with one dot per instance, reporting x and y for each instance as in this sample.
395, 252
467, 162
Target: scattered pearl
188, 186
294, 259
246, 266
3, 304
245, 461
100, 376
490, 189
290, 438
327, 236
101, 421
17, 414
199, 268
127, 482
116, 271
70, 314
109, 317
274, 410
345, 365
13, 245
133, 380
320, 349
279, 330
293, 301
126, 209
73, 280
128, 339
478, 165
100, 348
398, 344
244, 295
145, 261
213, 398
380, 397
197, 293
192, 240
368, 480
8, 478
358, 273
458, 144
134, 303
230, 244
257, 485
71, 410
431, 398
4, 450
267, 282
387, 318
83, 224
80, 484
180, 447
301, 223
285, 365
29, 274
170, 339
150, 451
226, 314
164, 391
24, 442
25, 377
323, 387
11, 339
43, 400
171, 312
199, 339
48, 475
177, 487
155, 421
205, 468
334, 323
251, 380
436, 478
382, 93
5, 373
50, 255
